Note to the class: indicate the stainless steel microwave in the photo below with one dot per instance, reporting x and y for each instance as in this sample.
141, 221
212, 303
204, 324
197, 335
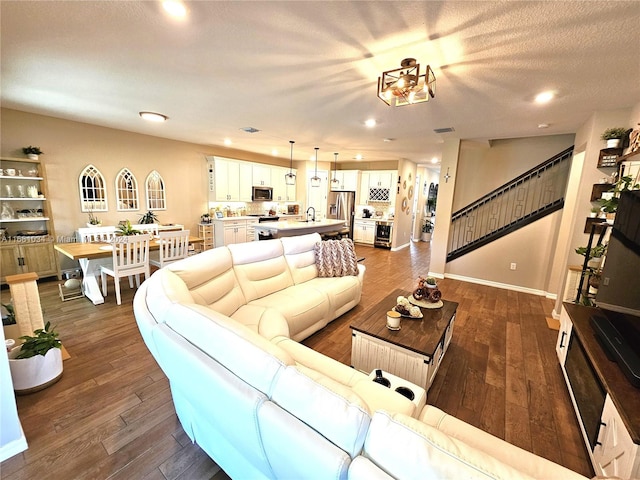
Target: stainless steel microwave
262, 194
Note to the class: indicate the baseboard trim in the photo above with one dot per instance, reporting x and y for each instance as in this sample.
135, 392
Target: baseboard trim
505, 286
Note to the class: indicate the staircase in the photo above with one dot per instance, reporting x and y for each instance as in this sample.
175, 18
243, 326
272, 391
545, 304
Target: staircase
523, 200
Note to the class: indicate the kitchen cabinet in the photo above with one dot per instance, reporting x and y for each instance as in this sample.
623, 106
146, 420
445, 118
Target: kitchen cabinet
377, 186
232, 180
281, 191
261, 175
347, 180
229, 231
364, 231
27, 229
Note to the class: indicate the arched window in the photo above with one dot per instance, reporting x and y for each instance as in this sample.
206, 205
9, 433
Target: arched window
126, 191
93, 191
154, 185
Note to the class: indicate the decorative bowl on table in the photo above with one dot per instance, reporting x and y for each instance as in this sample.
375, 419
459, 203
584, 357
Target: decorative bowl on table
406, 309
427, 294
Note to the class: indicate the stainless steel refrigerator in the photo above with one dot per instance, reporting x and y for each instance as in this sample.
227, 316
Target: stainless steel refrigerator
341, 206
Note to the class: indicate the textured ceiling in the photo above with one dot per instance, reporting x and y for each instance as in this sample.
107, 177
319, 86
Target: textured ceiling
307, 71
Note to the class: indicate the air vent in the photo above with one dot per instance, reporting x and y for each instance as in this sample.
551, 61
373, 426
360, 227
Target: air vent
444, 130
249, 129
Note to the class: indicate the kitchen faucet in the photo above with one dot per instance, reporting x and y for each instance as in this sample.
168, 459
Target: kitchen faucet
313, 218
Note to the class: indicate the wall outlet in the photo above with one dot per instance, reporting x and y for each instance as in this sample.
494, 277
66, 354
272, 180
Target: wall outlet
512, 266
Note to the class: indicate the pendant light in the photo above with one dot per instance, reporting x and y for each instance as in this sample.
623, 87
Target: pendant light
315, 180
290, 178
335, 182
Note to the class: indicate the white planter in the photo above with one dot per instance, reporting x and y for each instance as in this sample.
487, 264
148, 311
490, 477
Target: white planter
613, 143
35, 373
32, 156
426, 237
94, 225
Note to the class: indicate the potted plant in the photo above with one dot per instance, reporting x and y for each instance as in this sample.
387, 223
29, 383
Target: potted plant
595, 254
148, 218
126, 229
32, 152
37, 363
93, 221
613, 136
427, 230
594, 212
205, 218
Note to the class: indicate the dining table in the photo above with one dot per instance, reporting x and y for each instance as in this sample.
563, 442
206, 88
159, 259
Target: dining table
92, 256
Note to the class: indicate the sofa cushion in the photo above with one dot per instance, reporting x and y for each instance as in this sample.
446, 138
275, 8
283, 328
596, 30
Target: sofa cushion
343, 293
330, 408
305, 308
211, 280
300, 254
427, 452
260, 271
336, 258
242, 351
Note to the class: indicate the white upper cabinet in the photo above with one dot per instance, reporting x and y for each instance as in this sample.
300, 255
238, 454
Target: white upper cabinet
347, 180
261, 175
232, 180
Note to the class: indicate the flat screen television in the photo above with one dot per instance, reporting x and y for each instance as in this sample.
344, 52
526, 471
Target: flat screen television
619, 288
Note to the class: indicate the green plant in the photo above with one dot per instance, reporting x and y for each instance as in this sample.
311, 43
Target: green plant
595, 252
125, 229
32, 150
93, 220
427, 227
10, 318
614, 132
430, 281
148, 217
622, 185
44, 339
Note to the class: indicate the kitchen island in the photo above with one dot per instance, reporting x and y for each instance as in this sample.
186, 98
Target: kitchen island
291, 228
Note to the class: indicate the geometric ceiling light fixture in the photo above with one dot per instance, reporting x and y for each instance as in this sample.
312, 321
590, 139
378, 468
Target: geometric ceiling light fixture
405, 85
335, 182
315, 180
290, 178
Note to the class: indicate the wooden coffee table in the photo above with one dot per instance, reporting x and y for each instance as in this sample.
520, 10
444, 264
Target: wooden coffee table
414, 352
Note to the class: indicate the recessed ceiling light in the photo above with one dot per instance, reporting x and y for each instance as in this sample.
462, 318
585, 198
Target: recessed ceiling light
227, 141
174, 8
154, 117
387, 140
370, 122
434, 160
544, 97
358, 157
543, 125
274, 152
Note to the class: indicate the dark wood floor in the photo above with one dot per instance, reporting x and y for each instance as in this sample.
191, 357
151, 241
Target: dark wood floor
111, 415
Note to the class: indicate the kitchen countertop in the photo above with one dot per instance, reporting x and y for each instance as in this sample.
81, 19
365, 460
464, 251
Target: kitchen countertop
290, 228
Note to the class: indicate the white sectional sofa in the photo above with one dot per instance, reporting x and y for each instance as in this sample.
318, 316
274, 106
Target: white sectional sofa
224, 326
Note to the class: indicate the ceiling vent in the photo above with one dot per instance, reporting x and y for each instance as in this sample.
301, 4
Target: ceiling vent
249, 129
444, 130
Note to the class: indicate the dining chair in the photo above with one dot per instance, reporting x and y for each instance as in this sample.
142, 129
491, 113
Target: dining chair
174, 245
150, 228
130, 257
95, 234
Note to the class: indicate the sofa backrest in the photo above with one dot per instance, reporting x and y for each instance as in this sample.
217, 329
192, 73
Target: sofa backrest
260, 271
327, 406
425, 452
211, 280
301, 257
242, 351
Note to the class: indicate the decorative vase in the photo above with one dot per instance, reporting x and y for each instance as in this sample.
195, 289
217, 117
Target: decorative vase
93, 225
35, 373
32, 156
426, 237
613, 143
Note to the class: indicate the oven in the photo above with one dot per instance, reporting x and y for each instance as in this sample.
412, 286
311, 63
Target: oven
384, 230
